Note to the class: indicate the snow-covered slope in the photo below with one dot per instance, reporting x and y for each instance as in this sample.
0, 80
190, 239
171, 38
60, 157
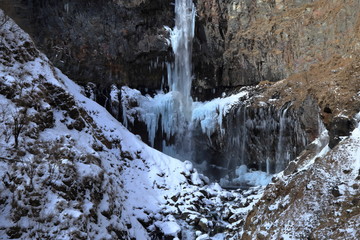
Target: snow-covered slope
69, 170
317, 199
76, 172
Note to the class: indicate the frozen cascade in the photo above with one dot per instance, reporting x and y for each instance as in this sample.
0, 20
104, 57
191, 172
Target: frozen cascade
261, 138
282, 155
167, 116
171, 113
180, 73
224, 134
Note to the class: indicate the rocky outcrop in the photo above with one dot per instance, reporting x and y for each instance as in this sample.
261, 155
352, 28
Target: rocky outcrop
250, 41
320, 200
105, 42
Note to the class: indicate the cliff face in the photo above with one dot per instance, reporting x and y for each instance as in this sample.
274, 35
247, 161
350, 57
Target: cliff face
320, 200
100, 41
308, 51
238, 42
270, 40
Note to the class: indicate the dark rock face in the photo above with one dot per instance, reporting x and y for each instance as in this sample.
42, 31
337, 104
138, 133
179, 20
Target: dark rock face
237, 42
261, 137
340, 127
121, 42
209, 43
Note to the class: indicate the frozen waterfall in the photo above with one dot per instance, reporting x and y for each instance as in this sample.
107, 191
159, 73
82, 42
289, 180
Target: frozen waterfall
181, 37
226, 138
171, 113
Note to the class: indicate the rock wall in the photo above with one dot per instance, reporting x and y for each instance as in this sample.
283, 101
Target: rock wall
314, 44
261, 136
244, 42
237, 42
104, 42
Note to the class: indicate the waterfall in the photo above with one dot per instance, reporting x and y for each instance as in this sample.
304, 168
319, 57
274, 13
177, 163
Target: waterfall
167, 116
225, 137
181, 37
282, 156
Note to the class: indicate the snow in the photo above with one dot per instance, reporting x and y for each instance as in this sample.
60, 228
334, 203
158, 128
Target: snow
245, 176
88, 170
72, 212
169, 228
133, 181
203, 237
210, 114
124, 180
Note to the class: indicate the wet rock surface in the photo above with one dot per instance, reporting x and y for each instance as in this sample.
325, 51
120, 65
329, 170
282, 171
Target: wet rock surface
259, 136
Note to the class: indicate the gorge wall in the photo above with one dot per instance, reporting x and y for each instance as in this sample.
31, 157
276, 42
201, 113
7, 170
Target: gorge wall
313, 45
104, 42
245, 42
237, 42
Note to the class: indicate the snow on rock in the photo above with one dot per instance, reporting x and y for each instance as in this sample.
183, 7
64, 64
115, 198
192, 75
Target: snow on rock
69, 170
321, 193
76, 172
210, 114
169, 227
244, 176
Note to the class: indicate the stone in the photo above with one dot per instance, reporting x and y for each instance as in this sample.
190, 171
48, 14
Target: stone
203, 224
291, 168
335, 192
74, 113
109, 41
340, 126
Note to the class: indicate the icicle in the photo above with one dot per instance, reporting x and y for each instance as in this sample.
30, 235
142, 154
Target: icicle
267, 165
281, 155
124, 117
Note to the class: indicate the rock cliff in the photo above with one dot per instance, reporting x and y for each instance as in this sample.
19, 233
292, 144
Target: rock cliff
252, 41
100, 41
237, 42
303, 54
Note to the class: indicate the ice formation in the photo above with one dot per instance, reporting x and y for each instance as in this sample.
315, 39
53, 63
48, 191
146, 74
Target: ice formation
173, 120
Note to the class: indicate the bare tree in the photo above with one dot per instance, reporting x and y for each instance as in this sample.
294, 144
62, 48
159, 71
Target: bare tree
19, 121
4, 120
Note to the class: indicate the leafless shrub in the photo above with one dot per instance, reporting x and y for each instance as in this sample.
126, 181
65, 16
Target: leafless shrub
18, 122
4, 120
3, 19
